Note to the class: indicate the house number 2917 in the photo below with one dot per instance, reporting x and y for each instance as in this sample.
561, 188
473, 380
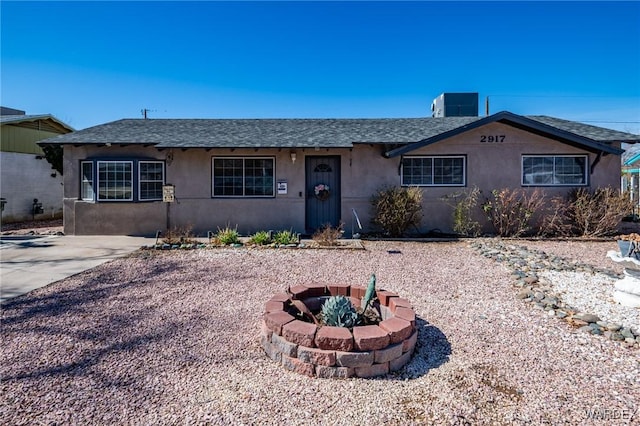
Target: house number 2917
492, 138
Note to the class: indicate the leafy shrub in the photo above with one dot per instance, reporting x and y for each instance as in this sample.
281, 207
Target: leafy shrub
464, 203
260, 238
587, 213
55, 157
227, 236
511, 211
396, 209
285, 237
328, 235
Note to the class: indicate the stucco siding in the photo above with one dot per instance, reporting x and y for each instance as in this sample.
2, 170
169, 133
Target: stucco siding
498, 165
117, 218
190, 171
24, 177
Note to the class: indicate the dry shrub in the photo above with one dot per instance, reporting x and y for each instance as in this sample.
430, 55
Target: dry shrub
587, 213
328, 235
511, 211
396, 209
179, 235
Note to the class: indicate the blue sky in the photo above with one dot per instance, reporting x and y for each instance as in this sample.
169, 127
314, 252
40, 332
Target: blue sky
88, 63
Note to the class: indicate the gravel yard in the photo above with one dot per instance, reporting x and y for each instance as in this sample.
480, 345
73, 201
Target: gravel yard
152, 339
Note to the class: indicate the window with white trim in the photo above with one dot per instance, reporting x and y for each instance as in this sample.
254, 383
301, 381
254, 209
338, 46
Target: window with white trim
433, 171
115, 180
554, 170
121, 180
86, 183
150, 180
243, 176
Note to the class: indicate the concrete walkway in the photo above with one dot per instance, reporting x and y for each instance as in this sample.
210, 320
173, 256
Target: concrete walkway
28, 262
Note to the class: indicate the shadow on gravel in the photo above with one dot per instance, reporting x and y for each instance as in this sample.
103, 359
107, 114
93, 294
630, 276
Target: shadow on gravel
67, 319
105, 345
432, 351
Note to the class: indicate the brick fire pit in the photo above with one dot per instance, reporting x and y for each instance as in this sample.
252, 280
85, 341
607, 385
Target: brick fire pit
337, 352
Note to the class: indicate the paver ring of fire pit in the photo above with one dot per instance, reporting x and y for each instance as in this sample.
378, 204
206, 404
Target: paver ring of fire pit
339, 352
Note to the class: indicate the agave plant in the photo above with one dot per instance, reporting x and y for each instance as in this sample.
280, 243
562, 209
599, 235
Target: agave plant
338, 311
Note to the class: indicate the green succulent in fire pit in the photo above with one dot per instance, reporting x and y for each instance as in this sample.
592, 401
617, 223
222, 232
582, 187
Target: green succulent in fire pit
338, 311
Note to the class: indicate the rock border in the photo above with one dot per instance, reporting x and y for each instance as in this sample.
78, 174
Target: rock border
541, 296
338, 352
354, 244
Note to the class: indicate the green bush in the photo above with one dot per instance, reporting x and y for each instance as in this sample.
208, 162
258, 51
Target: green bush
464, 203
227, 236
260, 238
396, 209
285, 237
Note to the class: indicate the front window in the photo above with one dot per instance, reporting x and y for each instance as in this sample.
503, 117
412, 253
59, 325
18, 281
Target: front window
151, 179
115, 180
549, 170
433, 171
243, 177
86, 184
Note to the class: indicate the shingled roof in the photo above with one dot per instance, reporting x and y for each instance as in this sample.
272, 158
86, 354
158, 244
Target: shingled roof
22, 118
592, 138
304, 133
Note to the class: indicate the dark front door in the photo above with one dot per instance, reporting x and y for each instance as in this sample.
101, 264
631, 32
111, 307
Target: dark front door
323, 191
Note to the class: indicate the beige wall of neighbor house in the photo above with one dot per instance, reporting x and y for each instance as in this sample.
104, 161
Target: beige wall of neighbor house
25, 174
24, 177
364, 170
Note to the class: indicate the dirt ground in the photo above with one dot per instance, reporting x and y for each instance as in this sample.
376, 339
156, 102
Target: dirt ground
34, 227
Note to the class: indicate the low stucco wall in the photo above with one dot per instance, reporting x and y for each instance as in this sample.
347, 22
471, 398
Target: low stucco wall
137, 219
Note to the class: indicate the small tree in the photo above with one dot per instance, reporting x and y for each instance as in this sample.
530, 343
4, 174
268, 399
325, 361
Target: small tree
396, 209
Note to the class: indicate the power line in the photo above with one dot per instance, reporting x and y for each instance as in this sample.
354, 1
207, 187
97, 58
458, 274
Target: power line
555, 96
613, 122
561, 97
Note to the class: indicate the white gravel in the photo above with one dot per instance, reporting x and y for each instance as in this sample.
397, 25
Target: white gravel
165, 338
593, 294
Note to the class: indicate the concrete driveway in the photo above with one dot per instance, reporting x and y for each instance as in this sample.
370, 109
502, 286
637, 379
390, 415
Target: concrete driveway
28, 262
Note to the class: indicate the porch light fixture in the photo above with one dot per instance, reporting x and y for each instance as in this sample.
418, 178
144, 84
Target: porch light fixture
293, 156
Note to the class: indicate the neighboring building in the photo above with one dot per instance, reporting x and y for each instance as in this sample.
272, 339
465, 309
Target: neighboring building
455, 105
25, 174
631, 177
261, 174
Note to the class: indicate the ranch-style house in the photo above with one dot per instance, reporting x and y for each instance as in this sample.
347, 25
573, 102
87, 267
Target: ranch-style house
137, 176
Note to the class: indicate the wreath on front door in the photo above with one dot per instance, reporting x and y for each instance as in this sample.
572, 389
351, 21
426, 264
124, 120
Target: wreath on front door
322, 191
